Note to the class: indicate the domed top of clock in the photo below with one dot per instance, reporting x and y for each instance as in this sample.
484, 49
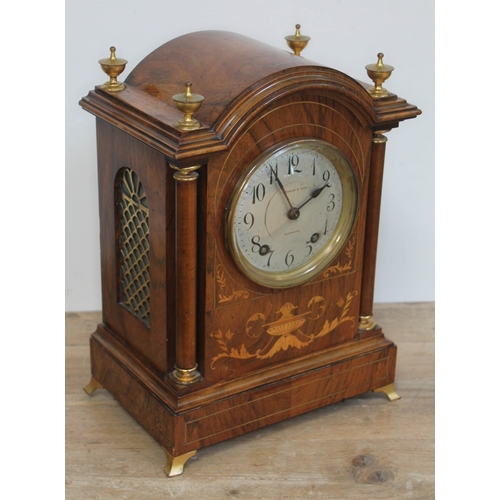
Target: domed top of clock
238, 77
221, 65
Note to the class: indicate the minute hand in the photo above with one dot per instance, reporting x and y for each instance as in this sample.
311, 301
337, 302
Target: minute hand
314, 194
293, 213
280, 185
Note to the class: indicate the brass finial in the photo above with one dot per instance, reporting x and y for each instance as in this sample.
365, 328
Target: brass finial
297, 42
113, 67
188, 103
379, 73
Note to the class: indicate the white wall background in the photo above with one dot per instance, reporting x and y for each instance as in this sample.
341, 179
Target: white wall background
346, 35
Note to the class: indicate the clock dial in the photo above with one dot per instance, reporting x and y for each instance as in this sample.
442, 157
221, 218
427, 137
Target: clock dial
291, 213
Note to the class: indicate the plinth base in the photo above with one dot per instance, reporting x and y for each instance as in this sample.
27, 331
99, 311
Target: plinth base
185, 423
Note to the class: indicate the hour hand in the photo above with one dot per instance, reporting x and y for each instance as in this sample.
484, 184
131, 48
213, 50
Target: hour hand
314, 194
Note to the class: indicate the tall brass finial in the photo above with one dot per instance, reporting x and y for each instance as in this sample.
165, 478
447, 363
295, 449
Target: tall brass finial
297, 42
113, 67
379, 73
188, 103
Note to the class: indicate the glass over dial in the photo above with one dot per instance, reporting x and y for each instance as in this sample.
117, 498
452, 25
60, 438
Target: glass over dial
291, 213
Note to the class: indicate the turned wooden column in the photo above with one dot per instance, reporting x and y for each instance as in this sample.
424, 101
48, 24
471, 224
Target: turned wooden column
185, 370
366, 321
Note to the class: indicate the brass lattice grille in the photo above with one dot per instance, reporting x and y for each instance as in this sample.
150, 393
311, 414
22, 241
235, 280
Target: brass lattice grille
133, 245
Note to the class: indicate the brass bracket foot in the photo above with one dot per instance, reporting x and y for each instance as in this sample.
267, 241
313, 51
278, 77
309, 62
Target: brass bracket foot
92, 386
175, 465
389, 391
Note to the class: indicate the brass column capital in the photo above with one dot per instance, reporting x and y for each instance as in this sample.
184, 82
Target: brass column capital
185, 174
378, 138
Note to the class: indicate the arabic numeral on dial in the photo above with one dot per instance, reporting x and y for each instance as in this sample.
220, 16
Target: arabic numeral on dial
270, 255
273, 172
258, 193
326, 175
331, 204
314, 239
293, 161
261, 249
256, 245
249, 219
289, 258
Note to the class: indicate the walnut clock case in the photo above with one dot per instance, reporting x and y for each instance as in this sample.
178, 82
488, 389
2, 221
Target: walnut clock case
238, 237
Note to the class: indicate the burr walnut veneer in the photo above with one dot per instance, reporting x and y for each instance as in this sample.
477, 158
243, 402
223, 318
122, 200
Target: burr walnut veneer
190, 345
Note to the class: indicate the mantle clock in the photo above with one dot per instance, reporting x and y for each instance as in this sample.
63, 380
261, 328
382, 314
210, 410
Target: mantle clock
239, 200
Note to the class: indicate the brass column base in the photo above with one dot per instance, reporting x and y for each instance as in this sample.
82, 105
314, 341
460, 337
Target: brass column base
389, 391
175, 465
92, 386
366, 323
185, 377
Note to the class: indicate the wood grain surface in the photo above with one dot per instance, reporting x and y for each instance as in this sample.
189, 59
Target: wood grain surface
361, 448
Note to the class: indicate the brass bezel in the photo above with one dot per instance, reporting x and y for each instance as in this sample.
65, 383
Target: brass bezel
321, 260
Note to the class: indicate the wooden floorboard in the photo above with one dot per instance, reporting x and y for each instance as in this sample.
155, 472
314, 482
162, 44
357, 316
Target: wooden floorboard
361, 448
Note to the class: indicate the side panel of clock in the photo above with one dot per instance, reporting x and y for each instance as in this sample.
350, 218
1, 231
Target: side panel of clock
243, 321
136, 207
